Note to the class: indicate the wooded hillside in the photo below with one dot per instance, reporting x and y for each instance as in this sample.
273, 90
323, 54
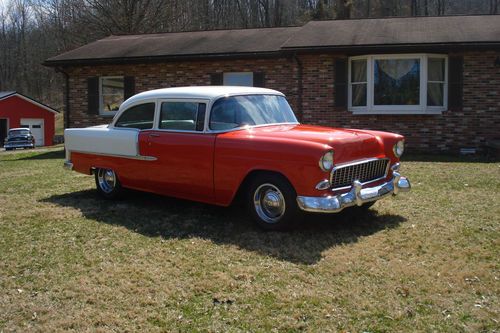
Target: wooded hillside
34, 30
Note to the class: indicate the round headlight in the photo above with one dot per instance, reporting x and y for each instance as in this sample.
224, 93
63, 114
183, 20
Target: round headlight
399, 148
326, 161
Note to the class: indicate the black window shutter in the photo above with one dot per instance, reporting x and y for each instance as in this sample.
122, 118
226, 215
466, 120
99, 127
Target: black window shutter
129, 86
259, 79
341, 82
455, 82
216, 79
93, 95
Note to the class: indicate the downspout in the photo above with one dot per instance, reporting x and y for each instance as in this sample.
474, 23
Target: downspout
300, 86
66, 96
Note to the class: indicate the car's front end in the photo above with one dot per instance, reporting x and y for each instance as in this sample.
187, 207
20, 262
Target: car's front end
19, 138
369, 170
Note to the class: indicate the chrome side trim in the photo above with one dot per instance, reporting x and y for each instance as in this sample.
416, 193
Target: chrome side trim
356, 196
136, 157
349, 164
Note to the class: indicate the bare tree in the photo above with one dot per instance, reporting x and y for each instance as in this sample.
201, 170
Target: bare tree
34, 30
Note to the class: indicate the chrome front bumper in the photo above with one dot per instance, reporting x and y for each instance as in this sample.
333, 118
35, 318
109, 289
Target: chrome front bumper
356, 196
19, 144
68, 165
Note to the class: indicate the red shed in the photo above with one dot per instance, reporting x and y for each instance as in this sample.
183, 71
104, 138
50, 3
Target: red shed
17, 110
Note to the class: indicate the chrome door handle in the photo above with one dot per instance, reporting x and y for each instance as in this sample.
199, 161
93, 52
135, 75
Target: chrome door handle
154, 135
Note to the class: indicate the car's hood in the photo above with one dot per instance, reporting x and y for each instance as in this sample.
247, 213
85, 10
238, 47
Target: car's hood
348, 144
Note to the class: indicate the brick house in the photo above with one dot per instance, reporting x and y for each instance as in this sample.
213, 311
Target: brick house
435, 80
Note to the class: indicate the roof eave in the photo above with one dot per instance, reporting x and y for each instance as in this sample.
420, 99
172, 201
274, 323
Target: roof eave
30, 100
427, 47
162, 58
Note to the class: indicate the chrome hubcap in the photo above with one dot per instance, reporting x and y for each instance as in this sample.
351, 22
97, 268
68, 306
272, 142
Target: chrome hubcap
107, 180
269, 203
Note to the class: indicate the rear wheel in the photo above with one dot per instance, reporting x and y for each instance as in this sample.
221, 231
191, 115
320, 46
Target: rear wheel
272, 202
107, 183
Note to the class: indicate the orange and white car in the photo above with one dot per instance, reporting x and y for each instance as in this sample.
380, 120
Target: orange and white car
211, 144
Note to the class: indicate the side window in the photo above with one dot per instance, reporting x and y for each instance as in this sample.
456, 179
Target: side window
140, 117
182, 116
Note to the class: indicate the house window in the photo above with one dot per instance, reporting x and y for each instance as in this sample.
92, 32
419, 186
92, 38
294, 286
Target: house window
238, 79
398, 84
111, 94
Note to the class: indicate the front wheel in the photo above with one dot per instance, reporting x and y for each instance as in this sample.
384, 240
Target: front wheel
107, 183
272, 203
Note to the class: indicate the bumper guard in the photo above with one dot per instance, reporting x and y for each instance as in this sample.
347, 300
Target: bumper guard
68, 165
356, 196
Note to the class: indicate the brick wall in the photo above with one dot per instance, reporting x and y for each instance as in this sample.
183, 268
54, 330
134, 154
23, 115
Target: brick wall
280, 74
472, 126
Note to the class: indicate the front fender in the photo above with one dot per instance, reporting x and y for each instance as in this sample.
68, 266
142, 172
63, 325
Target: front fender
235, 159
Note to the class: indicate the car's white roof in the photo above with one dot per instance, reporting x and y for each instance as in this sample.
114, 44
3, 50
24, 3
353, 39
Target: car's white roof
198, 92
19, 128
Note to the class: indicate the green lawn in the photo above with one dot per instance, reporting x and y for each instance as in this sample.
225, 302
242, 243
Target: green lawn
423, 261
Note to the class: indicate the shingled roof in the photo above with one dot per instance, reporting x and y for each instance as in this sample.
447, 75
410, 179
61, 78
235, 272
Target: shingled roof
181, 44
444, 31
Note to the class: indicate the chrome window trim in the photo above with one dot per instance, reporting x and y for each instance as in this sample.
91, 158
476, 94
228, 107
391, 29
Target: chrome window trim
156, 125
246, 127
119, 113
213, 101
349, 164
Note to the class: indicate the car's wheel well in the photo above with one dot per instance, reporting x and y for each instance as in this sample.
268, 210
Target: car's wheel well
245, 184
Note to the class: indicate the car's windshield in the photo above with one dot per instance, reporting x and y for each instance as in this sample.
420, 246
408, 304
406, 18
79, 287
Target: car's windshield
19, 132
238, 111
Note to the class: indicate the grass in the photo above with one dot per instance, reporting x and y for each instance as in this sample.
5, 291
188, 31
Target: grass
423, 261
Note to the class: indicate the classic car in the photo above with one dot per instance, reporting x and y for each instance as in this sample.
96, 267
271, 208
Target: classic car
19, 138
214, 144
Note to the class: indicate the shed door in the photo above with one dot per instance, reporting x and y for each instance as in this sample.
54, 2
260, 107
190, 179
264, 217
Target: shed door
36, 127
3, 131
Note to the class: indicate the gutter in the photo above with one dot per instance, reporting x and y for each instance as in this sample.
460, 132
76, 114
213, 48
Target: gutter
162, 58
66, 96
300, 85
367, 48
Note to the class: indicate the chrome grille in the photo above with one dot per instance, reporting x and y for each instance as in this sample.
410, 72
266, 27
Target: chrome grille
363, 171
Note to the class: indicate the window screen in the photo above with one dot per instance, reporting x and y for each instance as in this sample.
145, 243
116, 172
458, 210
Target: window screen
238, 79
112, 94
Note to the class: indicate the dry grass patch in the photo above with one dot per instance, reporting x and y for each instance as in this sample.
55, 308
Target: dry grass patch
425, 261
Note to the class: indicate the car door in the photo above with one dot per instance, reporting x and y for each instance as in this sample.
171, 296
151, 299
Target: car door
184, 152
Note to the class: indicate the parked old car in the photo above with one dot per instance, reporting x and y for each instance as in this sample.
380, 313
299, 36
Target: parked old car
19, 138
212, 144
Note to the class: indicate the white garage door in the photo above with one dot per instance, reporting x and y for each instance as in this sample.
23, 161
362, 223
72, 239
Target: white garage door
36, 127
